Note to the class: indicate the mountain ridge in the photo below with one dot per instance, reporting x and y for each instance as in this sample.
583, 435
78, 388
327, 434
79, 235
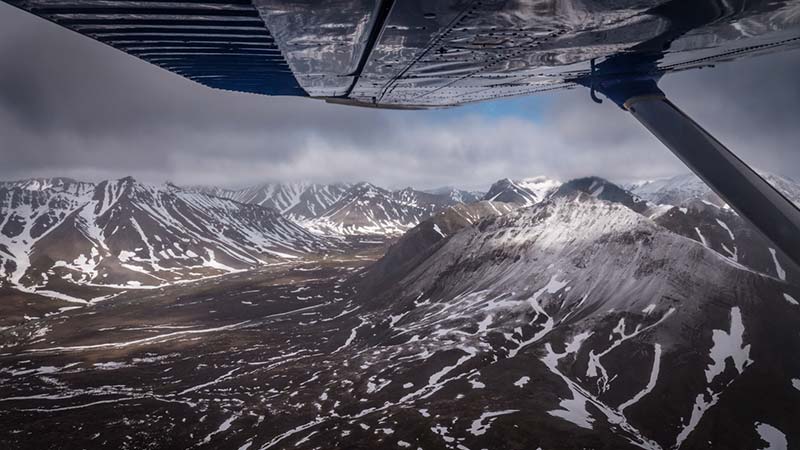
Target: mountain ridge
545, 292
123, 230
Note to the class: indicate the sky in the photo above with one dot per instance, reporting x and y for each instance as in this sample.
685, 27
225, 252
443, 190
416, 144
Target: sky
70, 106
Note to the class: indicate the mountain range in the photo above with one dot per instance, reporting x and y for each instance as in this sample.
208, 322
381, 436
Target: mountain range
56, 233
59, 236
590, 318
122, 233
575, 315
297, 201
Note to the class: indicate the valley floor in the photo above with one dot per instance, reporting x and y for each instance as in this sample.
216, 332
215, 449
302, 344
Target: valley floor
230, 362
272, 358
292, 356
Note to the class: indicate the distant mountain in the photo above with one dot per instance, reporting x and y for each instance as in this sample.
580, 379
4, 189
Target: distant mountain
715, 227
57, 184
430, 203
683, 188
125, 233
685, 205
728, 234
314, 200
298, 201
366, 209
529, 191
457, 195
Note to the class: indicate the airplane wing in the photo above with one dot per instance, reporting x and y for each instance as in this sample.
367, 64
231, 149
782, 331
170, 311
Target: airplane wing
415, 53
437, 53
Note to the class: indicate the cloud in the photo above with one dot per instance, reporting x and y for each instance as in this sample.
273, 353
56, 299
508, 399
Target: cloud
70, 106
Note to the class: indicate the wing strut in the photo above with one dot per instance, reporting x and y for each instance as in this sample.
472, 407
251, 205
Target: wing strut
734, 181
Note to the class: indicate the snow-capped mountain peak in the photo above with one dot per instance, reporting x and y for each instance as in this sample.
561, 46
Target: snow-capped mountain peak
525, 192
57, 184
682, 188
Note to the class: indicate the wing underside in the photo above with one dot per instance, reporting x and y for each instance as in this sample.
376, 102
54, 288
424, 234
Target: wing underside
219, 43
417, 54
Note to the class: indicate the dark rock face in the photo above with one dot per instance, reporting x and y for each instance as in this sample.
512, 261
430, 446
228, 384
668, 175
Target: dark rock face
604, 190
419, 242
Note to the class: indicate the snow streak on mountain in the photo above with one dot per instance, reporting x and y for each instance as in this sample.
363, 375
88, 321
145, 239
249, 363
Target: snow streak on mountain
685, 205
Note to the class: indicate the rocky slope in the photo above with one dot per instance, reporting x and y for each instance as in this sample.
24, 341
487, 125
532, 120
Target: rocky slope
419, 242
579, 317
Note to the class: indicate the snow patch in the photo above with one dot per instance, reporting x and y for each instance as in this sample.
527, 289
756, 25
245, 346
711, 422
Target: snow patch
522, 382
651, 383
729, 345
778, 268
573, 409
774, 437
223, 427
481, 425
725, 226
438, 230
702, 238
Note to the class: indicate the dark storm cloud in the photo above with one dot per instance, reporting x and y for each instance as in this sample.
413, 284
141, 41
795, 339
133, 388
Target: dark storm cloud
71, 106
